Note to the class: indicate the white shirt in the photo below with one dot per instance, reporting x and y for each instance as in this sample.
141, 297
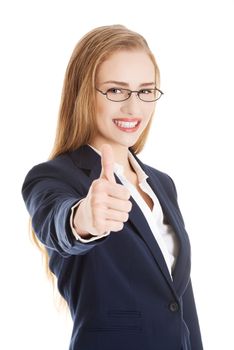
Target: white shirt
163, 233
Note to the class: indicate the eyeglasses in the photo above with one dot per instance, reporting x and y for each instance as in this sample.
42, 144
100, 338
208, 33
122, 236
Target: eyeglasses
119, 94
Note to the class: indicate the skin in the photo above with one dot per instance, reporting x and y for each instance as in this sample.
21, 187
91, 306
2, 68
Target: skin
106, 206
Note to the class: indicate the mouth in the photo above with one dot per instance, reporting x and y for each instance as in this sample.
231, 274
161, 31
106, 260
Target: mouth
127, 124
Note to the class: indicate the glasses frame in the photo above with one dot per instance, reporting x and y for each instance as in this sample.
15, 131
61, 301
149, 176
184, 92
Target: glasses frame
130, 94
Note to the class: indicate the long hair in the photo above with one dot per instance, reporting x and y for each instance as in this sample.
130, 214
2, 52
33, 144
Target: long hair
76, 121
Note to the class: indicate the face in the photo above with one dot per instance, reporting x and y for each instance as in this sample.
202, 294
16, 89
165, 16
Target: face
121, 123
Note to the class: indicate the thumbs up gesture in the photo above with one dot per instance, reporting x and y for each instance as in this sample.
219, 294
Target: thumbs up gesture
106, 206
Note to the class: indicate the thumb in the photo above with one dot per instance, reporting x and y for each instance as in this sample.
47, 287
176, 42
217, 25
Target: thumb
107, 158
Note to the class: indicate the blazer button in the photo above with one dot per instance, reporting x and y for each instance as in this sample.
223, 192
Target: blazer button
174, 306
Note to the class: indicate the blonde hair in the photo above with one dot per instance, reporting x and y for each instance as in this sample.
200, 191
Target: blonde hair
77, 123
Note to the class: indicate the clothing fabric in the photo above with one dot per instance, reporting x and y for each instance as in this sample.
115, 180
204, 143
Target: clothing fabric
162, 231
118, 288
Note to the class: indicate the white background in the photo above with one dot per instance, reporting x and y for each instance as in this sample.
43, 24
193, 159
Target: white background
191, 139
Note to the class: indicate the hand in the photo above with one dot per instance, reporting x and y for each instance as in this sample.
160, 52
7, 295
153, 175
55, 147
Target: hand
106, 206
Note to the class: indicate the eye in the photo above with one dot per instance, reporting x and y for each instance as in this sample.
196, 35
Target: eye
146, 91
115, 91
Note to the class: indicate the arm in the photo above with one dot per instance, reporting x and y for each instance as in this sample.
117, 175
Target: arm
49, 200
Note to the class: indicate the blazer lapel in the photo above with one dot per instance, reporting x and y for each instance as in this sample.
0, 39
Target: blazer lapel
88, 160
182, 268
138, 220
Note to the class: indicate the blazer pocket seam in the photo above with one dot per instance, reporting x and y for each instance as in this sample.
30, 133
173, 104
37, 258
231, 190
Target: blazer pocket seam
124, 314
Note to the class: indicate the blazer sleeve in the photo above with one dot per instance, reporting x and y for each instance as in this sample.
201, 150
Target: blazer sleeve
49, 195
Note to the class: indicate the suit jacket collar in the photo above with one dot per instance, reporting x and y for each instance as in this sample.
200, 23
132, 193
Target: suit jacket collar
86, 158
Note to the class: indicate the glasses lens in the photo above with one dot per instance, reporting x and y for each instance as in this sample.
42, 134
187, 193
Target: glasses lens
117, 94
150, 95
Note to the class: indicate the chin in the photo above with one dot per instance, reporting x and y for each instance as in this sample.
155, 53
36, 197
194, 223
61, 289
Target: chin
127, 143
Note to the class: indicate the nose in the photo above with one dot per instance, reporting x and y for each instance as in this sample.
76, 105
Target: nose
132, 105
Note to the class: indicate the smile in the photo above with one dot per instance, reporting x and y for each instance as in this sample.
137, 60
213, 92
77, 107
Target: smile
127, 125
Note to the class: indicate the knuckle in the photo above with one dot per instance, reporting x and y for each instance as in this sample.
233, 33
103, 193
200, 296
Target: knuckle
98, 225
99, 185
95, 184
94, 200
125, 217
127, 193
120, 226
97, 200
129, 206
116, 226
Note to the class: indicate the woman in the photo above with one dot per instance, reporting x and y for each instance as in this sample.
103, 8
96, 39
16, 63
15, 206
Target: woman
110, 224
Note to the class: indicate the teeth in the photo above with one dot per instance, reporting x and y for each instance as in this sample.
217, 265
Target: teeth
127, 125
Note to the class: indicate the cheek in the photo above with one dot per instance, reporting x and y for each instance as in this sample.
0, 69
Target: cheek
106, 112
99, 107
148, 112
103, 108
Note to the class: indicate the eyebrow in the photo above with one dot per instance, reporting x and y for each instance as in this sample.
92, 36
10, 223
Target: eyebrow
126, 84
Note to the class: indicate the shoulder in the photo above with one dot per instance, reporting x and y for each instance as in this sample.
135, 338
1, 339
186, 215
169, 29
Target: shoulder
159, 177
54, 167
156, 172
81, 158
165, 179
69, 169
66, 161
151, 171
61, 170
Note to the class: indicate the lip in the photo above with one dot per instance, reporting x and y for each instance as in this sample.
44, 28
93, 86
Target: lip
127, 120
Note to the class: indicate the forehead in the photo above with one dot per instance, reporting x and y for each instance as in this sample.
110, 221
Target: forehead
133, 67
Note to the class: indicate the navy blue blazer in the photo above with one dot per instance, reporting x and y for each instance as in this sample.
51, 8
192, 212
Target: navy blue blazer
118, 288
